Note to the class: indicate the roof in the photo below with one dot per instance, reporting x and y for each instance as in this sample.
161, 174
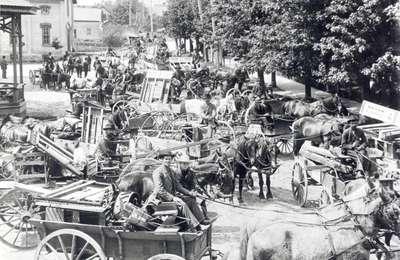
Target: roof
87, 14
16, 6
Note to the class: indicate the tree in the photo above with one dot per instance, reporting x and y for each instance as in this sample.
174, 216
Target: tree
179, 19
358, 36
113, 35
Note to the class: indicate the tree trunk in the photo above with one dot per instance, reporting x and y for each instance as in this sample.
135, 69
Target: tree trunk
191, 45
273, 79
261, 79
177, 46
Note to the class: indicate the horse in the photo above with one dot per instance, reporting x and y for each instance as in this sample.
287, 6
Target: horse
252, 152
332, 105
63, 78
348, 230
317, 130
264, 165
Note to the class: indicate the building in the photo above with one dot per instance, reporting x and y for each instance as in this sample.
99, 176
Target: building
53, 22
88, 24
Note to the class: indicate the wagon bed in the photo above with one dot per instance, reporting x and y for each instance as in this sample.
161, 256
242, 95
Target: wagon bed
120, 244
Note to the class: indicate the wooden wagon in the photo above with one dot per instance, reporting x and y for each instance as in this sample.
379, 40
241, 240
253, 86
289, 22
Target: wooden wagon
321, 167
79, 224
383, 136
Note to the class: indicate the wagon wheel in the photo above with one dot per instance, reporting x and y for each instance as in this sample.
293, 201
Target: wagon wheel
285, 145
127, 109
233, 91
223, 130
69, 244
32, 77
166, 257
299, 184
325, 198
16, 209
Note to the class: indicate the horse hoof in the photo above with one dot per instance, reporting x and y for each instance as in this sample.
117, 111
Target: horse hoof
240, 200
269, 196
261, 196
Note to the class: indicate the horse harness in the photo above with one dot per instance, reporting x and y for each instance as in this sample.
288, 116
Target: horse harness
366, 238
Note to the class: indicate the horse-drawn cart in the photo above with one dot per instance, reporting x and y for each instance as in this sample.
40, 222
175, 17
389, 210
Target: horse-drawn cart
80, 223
321, 167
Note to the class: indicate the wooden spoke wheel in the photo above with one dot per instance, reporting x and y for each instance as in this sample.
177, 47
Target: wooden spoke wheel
69, 244
325, 198
16, 209
285, 145
32, 77
299, 184
166, 257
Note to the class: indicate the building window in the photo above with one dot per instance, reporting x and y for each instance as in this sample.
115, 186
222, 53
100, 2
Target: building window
75, 33
88, 31
45, 33
45, 9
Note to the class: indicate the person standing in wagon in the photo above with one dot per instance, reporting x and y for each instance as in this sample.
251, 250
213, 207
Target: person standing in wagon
3, 65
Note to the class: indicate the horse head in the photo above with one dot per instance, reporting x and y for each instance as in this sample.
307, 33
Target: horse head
263, 155
251, 150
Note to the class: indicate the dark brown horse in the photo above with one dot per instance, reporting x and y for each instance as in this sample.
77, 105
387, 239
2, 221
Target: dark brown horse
318, 131
252, 152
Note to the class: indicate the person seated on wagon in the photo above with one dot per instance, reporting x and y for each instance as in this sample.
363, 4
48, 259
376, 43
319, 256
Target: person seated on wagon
188, 180
106, 147
167, 188
208, 114
261, 112
354, 143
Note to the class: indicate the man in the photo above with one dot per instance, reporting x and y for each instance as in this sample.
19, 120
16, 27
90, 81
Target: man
242, 76
354, 142
261, 113
166, 188
208, 114
3, 65
86, 66
106, 146
188, 180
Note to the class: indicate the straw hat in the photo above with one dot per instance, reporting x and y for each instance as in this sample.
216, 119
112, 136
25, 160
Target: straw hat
183, 158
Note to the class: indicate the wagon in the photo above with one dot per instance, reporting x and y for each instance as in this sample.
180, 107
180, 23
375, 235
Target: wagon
317, 166
35, 77
63, 240
79, 223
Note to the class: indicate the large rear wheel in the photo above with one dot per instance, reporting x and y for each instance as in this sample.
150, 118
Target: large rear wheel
69, 244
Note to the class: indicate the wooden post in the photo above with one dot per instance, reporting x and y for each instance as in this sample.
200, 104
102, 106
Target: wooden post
21, 78
14, 49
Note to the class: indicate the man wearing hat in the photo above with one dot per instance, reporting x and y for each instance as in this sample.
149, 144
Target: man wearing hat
167, 188
188, 180
106, 146
208, 114
354, 143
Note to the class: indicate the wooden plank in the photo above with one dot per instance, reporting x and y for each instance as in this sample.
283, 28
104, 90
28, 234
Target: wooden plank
69, 188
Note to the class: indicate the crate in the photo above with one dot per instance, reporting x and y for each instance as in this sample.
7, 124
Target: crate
31, 166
